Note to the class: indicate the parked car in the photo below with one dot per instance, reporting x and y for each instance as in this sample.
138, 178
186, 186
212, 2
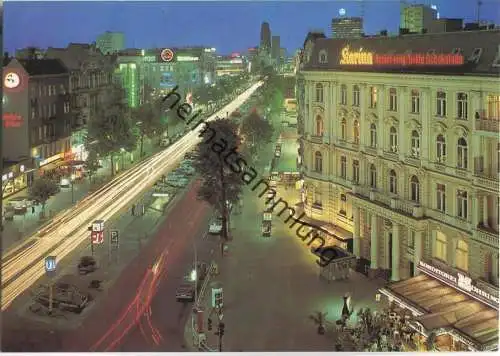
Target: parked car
215, 227
165, 142
87, 265
19, 204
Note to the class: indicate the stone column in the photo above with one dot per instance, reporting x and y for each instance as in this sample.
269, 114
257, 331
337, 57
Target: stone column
374, 243
485, 211
417, 252
356, 235
475, 211
395, 252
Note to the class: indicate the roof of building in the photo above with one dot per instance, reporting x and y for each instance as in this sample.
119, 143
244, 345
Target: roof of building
77, 54
43, 66
468, 42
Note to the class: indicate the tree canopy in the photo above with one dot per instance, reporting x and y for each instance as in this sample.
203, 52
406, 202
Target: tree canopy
254, 128
42, 189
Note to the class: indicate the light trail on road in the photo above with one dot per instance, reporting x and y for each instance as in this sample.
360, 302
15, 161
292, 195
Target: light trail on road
23, 266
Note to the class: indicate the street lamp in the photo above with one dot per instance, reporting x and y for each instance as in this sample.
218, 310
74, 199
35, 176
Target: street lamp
73, 177
122, 150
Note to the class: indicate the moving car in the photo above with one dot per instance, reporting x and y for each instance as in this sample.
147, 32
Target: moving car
192, 281
19, 204
215, 227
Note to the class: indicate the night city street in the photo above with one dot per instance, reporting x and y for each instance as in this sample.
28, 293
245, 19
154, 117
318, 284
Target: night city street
250, 176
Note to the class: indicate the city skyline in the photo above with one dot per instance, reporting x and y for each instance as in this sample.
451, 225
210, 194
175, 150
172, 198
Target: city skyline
233, 26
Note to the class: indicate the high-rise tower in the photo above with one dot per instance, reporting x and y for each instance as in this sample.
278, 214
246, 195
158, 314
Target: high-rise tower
265, 37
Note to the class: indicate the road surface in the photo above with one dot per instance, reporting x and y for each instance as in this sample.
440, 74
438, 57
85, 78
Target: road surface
23, 266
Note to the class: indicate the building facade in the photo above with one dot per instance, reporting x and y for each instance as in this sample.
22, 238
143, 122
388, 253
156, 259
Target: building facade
405, 159
417, 18
110, 42
36, 118
91, 77
232, 65
347, 27
265, 38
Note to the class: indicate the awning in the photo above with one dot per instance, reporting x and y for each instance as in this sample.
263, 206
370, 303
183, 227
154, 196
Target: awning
447, 309
53, 165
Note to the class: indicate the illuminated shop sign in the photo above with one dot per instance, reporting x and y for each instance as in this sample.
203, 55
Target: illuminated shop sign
366, 58
460, 282
187, 59
12, 120
167, 55
51, 159
149, 59
13, 81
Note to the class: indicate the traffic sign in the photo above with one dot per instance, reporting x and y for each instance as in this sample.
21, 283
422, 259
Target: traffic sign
50, 264
217, 297
98, 225
114, 237
97, 237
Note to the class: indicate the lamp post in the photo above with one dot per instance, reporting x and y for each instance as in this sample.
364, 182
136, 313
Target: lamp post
72, 178
122, 150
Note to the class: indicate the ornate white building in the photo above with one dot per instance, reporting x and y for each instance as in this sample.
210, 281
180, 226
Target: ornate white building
405, 158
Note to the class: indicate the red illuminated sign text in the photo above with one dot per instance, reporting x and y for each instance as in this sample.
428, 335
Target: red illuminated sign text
418, 59
12, 120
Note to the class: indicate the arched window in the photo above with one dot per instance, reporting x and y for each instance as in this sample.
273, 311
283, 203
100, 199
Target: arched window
415, 101
343, 94
318, 162
462, 153
355, 131
393, 139
319, 93
343, 167
462, 255
440, 148
441, 103
373, 135
415, 143
343, 203
393, 99
355, 95
440, 246
415, 189
393, 182
343, 129
319, 126
373, 176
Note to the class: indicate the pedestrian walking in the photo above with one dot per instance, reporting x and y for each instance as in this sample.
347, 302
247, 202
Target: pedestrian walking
133, 209
32, 209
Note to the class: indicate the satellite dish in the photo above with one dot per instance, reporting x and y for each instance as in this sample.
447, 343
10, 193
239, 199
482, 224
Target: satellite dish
342, 12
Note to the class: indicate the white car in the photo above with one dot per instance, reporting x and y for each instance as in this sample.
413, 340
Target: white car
215, 227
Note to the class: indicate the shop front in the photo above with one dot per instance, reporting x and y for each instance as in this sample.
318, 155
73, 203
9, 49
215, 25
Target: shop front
15, 177
461, 314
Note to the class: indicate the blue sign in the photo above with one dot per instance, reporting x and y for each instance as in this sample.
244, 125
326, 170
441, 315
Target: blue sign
167, 80
50, 264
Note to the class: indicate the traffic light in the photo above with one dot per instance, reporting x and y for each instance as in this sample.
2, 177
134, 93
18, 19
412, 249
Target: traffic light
221, 329
209, 324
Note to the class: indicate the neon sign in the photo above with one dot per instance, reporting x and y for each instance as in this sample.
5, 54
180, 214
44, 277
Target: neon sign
349, 57
167, 55
461, 282
12, 120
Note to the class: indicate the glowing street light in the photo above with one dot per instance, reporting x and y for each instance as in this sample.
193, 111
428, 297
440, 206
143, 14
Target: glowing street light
193, 275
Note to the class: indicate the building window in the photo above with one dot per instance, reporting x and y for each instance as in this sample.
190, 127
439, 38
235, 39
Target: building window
343, 129
411, 239
66, 107
373, 135
441, 148
343, 94
393, 139
462, 106
415, 189
355, 131
373, 176
462, 255
319, 93
415, 101
440, 246
462, 204
54, 109
343, 203
462, 153
319, 126
355, 96
318, 162
415, 144
343, 167
355, 171
441, 104
373, 97
393, 182
317, 198
493, 107
441, 197
393, 100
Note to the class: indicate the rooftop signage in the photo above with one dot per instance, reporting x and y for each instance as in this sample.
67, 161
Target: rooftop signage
149, 59
461, 282
367, 58
167, 55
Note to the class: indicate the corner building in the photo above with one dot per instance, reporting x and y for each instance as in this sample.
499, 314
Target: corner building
405, 158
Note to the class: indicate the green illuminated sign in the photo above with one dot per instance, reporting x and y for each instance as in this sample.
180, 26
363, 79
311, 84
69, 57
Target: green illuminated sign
149, 59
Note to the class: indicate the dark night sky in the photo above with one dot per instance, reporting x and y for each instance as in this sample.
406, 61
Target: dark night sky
228, 26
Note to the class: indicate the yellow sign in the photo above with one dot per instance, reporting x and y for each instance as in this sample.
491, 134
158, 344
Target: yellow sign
354, 58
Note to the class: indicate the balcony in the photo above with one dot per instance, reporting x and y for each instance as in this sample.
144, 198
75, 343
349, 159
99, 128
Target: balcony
413, 161
342, 142
487, 237
315, 175
486, 182
355, 146
488, 125
371, 150
393, 156
460, 172
448, 219
316, 139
